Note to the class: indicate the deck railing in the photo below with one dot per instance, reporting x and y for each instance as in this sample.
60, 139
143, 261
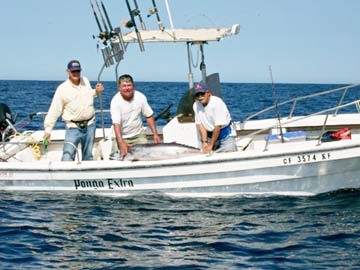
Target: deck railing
294, 101
326, 112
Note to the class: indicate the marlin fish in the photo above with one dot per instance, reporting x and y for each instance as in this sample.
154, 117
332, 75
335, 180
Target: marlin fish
160, 151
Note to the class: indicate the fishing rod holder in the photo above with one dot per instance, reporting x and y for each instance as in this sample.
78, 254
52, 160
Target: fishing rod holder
112, 54
107, 56
119, 35
118, 53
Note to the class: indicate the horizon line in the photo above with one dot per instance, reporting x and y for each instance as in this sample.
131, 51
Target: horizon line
159, 81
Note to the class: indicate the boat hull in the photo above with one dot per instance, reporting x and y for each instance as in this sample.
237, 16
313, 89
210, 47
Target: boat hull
310, 171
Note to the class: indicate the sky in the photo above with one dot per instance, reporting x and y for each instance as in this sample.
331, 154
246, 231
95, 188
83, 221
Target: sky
307, 41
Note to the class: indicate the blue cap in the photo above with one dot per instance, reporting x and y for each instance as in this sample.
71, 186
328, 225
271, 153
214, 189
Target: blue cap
201, 88
74, 65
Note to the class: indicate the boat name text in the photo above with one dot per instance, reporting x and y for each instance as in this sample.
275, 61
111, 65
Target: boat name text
306, 158
103, 184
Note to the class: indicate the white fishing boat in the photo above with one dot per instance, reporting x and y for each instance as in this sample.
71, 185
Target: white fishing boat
292, 155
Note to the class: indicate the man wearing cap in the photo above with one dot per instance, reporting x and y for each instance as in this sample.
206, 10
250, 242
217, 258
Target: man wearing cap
213, 120
74, 100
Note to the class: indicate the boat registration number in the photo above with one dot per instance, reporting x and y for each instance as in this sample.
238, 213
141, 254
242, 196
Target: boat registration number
305, 158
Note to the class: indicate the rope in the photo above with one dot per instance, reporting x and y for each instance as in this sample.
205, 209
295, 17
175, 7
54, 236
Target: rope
35, 148
34, 144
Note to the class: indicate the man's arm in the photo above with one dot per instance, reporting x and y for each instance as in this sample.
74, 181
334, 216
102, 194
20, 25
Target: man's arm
151, 122
203, 134
122, 145
215, 136
55, 110
208, 147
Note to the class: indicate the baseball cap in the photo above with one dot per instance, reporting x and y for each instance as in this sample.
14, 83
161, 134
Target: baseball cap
74, 65
200, 88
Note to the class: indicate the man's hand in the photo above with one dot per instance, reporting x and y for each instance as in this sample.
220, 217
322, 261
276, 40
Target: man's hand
99, 88
206, 148
47, 136
124, 149
157, 138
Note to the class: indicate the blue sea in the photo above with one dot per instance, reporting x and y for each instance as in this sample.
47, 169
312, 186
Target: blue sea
68, 231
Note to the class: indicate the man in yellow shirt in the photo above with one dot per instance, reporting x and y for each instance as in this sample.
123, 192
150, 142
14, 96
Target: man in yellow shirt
74, 101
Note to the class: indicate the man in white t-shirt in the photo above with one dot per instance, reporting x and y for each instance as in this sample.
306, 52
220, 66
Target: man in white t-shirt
213, 120
126, 109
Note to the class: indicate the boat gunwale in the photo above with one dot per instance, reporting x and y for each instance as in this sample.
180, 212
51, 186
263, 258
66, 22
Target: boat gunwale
205, 160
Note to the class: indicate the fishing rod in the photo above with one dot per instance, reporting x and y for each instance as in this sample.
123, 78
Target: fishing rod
102, 34
106, 16
117, 49
96, 17
276, 105
137, 13
132, 14
165, 113
154, 10
102, 17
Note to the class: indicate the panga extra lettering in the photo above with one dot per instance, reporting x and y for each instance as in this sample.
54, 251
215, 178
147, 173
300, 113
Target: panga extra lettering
103, 184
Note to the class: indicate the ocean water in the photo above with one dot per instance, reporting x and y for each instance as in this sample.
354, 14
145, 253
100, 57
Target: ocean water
67, 231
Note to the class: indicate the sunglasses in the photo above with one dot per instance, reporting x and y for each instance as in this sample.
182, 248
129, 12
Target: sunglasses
199, 94
75, 71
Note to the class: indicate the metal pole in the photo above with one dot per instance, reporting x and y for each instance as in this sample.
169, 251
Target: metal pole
341, 100
101, 103
323, 129
277, 111
190, 76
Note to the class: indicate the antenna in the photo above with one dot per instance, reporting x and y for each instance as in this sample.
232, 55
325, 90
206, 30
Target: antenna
276, 104
169, 14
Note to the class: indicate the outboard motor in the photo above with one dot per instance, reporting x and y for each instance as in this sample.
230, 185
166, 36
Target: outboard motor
6, 122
